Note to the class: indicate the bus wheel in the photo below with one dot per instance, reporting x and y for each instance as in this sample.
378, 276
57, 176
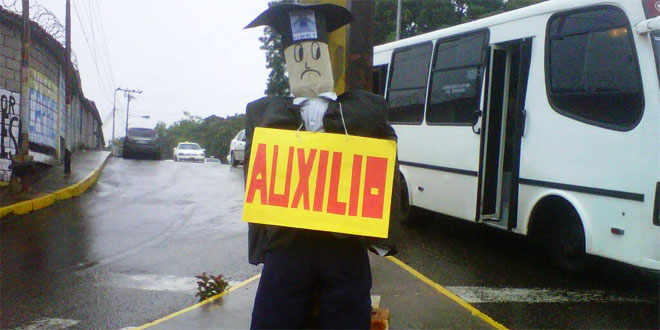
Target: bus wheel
409, 214
567, 246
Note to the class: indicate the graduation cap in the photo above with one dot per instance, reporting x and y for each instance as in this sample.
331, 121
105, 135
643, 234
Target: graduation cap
295, 22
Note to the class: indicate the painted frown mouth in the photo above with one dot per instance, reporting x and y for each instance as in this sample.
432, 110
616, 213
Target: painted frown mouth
309, 70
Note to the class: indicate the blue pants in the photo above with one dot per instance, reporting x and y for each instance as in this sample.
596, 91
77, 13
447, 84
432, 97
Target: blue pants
334, 270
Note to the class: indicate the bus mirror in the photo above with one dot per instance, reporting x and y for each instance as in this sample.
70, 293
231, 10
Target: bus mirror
475, 117
475, 120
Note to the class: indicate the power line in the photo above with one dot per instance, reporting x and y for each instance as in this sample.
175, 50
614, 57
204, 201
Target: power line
104, 41
100, 53
90, 47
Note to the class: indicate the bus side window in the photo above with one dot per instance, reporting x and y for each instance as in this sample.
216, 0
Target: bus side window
407, 86
456, 79
593, 75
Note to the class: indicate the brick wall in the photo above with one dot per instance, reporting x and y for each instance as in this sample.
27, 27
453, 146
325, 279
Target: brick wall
49, 121
10, 58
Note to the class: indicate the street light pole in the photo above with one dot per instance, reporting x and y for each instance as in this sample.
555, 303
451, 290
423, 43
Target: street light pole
398, 20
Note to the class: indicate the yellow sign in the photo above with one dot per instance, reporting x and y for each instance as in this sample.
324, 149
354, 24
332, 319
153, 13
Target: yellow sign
320, 181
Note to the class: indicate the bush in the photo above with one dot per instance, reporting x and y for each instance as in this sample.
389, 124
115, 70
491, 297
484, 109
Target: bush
209, 286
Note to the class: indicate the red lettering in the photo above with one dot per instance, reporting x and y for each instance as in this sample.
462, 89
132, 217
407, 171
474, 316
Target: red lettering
355, 185
258, 179
320, 181
335, 206
374, 187
304, 169
280, 199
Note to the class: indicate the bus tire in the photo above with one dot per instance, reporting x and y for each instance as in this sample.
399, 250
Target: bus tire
568, 246
408, 214
556, 227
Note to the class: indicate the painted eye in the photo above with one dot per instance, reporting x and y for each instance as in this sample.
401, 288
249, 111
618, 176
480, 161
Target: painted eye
298, 53
316, 50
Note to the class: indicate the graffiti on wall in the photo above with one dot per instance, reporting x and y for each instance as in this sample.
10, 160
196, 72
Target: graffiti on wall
9, 126
43, 114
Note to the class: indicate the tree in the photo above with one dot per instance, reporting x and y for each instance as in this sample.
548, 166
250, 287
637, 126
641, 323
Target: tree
416, 17
213, 133
481, 8
277, 83
515, 4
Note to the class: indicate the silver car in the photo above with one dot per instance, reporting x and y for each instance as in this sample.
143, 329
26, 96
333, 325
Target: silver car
189, 151
237, 149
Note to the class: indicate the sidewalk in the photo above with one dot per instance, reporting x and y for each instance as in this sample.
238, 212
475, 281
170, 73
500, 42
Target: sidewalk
413, 300
53, 184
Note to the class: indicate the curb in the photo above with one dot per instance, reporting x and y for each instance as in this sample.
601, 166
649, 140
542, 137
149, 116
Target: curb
41, 202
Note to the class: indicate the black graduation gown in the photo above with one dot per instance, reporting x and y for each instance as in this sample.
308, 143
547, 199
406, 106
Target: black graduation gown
365, 114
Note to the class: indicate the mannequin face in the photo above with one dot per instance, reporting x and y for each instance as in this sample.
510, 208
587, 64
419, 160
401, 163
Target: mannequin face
309, 68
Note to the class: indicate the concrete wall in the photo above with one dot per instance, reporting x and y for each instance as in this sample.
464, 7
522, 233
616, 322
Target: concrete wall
50, 122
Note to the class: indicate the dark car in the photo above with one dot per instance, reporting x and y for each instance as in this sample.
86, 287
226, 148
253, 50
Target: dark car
141, 142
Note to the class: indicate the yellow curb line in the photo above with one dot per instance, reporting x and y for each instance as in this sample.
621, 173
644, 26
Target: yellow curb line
41, 202
447, 293
214, 298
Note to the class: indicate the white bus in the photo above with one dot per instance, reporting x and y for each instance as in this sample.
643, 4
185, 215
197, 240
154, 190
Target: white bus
543, 121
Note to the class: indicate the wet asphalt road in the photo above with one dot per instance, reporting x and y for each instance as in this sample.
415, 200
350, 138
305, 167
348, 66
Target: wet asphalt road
125, 253
514, 283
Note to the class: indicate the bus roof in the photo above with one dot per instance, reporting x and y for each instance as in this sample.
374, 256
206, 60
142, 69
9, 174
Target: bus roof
542, 8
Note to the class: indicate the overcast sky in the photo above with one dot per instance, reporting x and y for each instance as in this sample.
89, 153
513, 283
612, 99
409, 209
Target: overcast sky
185, 55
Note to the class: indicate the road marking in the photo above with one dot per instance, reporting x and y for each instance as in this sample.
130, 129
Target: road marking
50, 324
447, 293
212, 299
480, 295
155, 282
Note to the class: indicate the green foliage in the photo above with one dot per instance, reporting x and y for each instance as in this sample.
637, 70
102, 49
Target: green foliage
209, 286
417, 16
515, 4
481, 8
421, 16
213, 133
277, 83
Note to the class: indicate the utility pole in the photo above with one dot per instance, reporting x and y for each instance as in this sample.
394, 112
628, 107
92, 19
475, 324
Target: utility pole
114, 109
68, 79
68, 76
128, 93
23, 151
21, 161
359, 62
128, 103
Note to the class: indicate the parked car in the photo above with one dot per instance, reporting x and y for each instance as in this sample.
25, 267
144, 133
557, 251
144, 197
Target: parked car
141, 141
237, 149
189, 151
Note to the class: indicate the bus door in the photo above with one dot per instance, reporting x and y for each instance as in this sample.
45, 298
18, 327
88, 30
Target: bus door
502, 129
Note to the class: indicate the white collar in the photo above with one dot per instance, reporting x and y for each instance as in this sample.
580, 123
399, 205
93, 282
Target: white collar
329, 95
